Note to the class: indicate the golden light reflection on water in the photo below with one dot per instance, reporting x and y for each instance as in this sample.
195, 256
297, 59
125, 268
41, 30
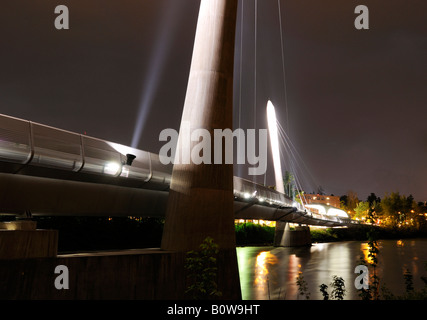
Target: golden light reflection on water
269, 273
365, 249
263, 260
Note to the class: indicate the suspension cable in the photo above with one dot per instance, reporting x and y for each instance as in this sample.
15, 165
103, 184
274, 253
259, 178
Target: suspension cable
293, 169
300, 160
283, 64
255, 66
295, 158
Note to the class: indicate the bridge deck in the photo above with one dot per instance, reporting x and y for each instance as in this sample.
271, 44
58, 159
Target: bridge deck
49, 171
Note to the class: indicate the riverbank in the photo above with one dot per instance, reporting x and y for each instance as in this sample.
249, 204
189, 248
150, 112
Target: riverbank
253, 234
100, 233
360, 234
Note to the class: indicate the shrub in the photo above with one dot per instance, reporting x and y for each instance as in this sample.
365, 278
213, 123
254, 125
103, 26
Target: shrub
202, 267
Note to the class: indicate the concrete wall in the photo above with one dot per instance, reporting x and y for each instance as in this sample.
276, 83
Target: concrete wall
18, 244
142, 274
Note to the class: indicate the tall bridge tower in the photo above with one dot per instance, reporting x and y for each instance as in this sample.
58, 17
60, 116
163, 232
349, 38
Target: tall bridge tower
200, 202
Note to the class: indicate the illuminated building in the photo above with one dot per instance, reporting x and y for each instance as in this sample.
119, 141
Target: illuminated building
331, 200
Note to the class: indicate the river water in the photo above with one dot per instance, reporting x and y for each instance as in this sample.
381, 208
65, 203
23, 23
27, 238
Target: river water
269, 273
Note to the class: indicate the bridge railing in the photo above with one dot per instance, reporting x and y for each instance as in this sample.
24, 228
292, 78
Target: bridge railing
26, 146
248, 190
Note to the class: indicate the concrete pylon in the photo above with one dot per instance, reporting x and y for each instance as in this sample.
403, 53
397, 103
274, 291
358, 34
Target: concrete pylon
279, 232
298, 237
201, 198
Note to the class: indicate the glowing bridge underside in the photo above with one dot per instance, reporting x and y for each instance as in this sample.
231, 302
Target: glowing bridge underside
49, 171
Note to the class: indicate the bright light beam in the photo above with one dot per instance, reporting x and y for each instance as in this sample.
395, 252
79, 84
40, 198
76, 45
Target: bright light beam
162, 48
274, 140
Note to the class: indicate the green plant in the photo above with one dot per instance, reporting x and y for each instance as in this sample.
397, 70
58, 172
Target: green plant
302, 286
409, 282
373, 292
410, 292
324, 291
372, 255
250, 234
338, 285
365, 294
202, 267
338, 292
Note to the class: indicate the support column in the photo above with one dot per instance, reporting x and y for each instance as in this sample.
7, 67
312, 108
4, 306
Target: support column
201, 198
285, 237
279, 232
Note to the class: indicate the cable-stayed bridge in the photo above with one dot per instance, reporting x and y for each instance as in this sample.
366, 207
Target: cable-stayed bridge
49, 171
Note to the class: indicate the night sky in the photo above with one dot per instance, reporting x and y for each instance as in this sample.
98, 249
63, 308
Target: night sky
356, 99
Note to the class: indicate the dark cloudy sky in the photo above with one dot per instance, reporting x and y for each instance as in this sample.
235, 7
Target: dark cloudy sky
356, 99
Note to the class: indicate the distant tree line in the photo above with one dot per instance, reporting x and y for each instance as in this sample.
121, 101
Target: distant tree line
394, 210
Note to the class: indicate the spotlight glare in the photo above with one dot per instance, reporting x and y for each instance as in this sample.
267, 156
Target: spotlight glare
274, 140
112, 168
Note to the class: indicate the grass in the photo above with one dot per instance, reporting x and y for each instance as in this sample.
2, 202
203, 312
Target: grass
254, 234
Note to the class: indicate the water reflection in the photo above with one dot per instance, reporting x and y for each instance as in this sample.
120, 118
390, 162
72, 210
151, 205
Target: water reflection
264, 260
270, 273
365, 247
